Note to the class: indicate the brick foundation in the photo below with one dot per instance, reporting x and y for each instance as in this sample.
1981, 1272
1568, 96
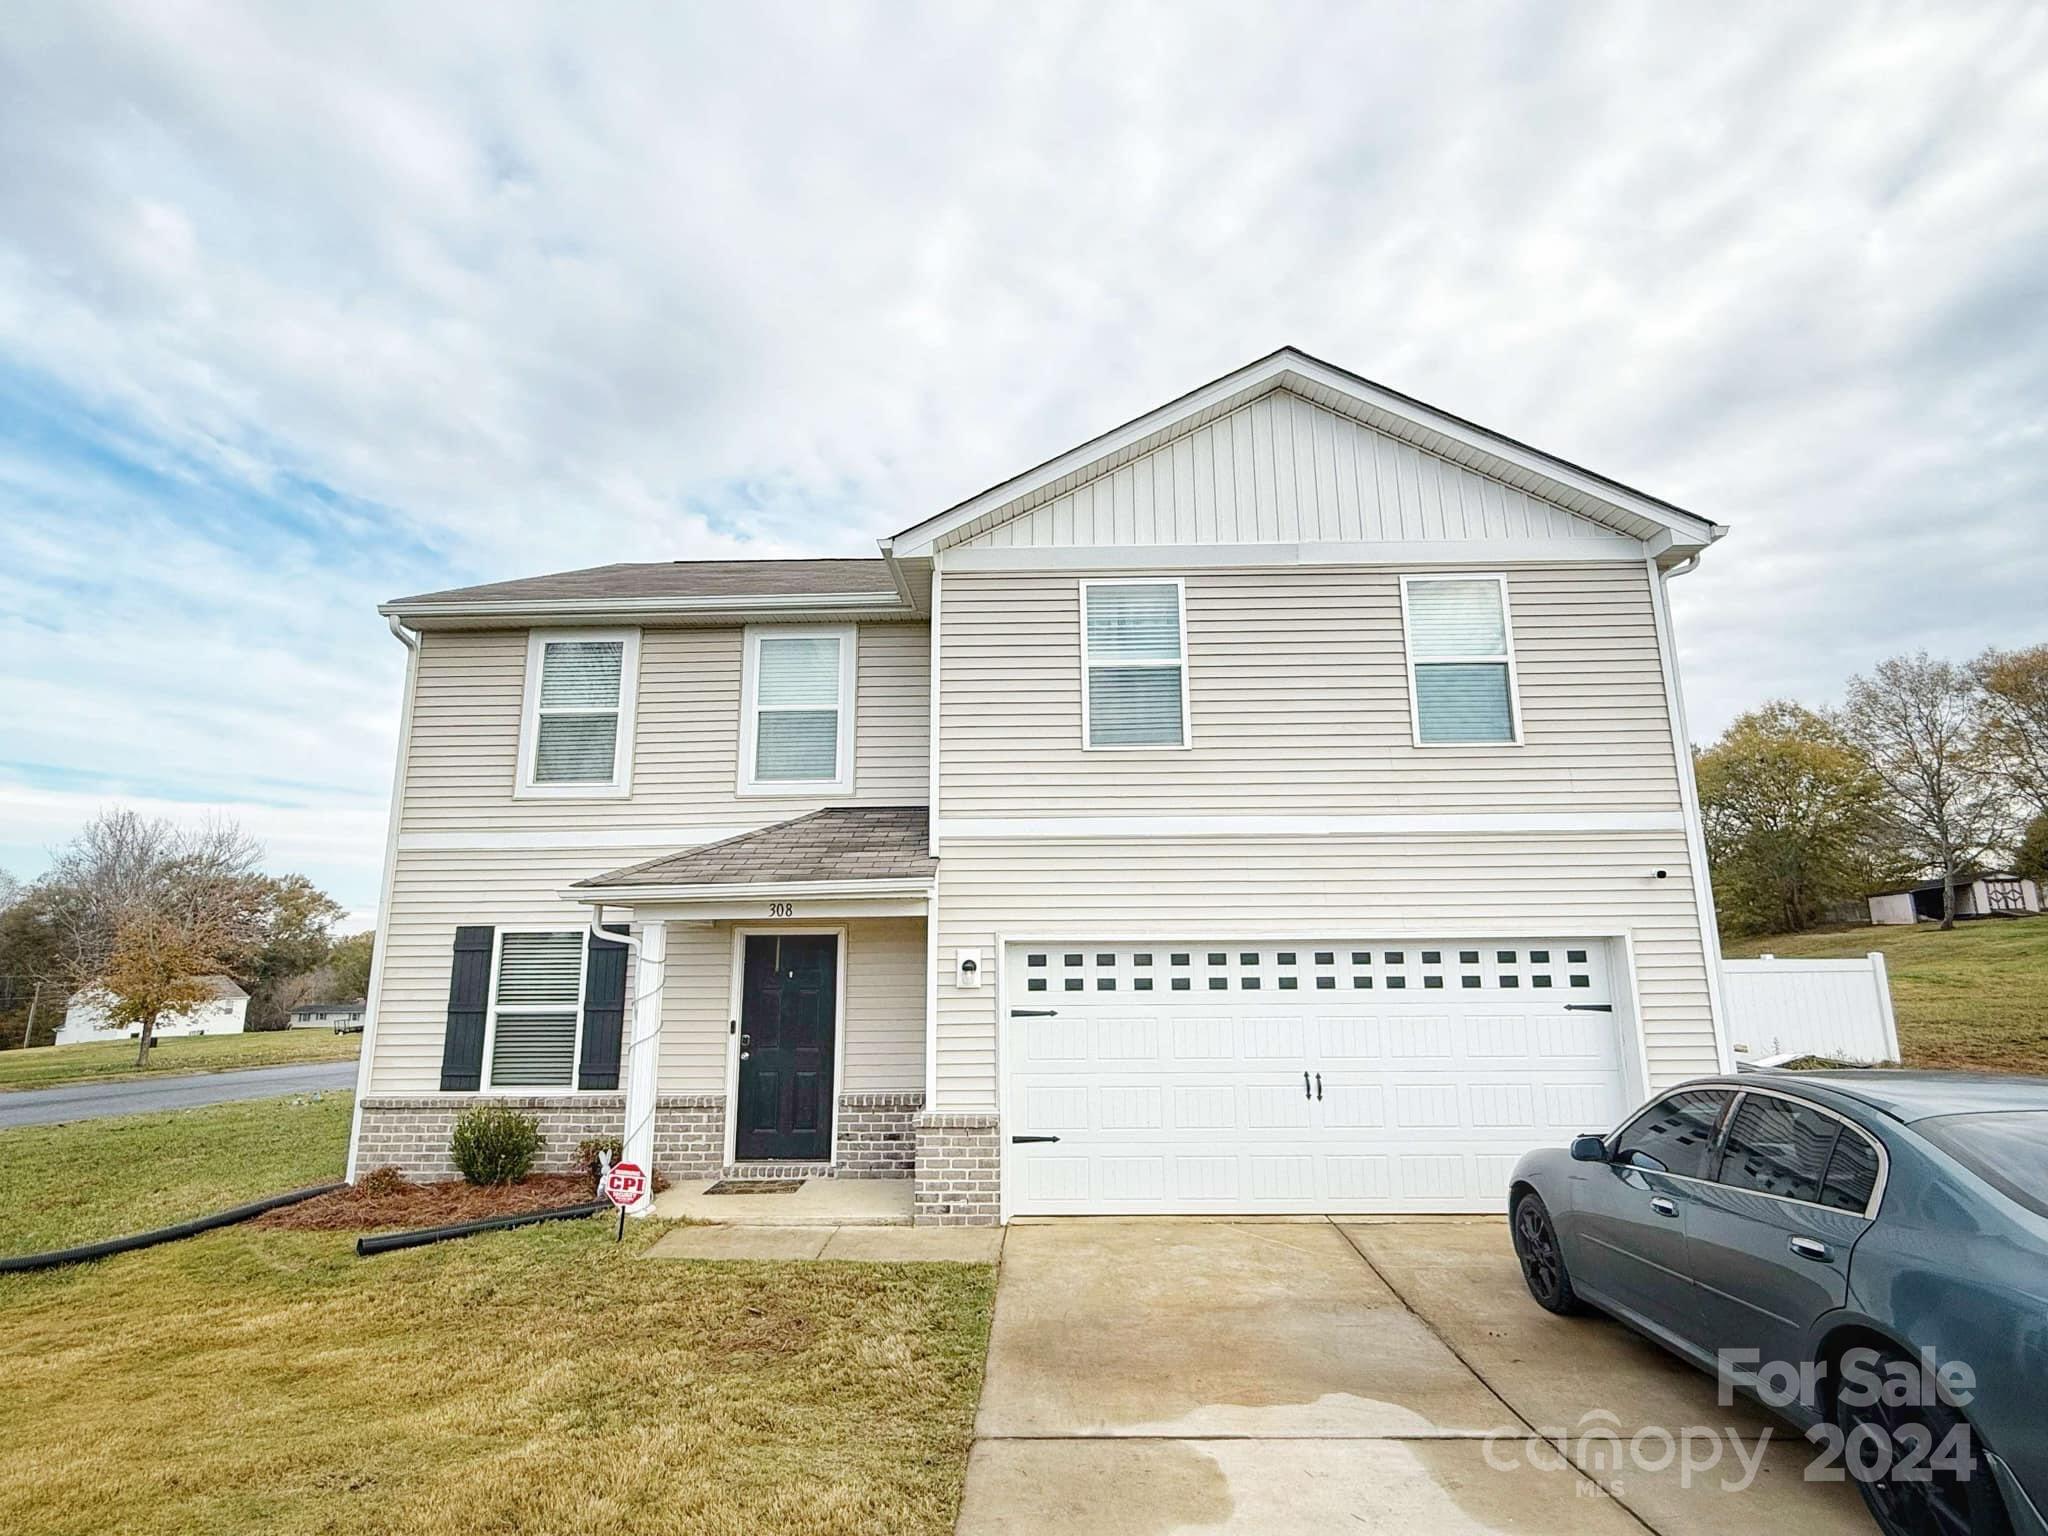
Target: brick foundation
958, 1177
878, 1135
410, 1133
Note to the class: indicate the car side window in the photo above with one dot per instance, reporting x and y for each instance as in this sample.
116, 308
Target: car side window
1851, 1175
1674, 1135
1778, 1147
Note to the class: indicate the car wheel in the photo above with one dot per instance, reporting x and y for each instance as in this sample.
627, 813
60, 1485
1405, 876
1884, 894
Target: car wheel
1542, 1257
1948, 1498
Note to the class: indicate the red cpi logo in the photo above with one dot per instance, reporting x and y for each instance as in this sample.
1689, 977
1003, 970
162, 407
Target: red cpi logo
625, 1184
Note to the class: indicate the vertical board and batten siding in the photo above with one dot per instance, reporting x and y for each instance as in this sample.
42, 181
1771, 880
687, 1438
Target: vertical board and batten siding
459, 778
884, 1006
1283, 470
1298, 698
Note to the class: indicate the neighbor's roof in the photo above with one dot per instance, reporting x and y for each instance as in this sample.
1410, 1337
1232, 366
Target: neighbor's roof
866, 842
712, 585
353, 1002
1963, 878
222, 987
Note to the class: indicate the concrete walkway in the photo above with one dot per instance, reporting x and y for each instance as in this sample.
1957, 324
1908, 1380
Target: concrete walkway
870, 1244
88, 1101
1147, 1377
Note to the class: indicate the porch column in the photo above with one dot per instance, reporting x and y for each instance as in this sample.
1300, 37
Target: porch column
643, 1052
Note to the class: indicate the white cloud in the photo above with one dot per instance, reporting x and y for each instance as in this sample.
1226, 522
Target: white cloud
526, 288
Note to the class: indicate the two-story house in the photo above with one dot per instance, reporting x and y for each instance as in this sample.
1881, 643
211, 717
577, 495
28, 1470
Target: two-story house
1279, 803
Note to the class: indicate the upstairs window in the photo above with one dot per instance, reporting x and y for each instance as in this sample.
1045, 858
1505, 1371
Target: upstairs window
1461, 665
576, 735
797, 720
1134, 661
536, 1004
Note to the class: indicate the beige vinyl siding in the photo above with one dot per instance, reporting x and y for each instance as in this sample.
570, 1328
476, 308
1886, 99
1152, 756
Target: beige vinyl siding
1282, 469
1394, 887
1298, 693
432, 895
465, 735
884, 1006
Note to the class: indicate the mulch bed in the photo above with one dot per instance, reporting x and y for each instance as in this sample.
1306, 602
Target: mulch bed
385, 1204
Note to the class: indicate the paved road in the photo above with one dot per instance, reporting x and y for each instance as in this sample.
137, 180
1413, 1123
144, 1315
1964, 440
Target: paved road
87, 1101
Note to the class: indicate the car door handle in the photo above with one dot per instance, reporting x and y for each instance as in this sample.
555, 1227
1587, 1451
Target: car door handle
1662, 1206
1807, 1248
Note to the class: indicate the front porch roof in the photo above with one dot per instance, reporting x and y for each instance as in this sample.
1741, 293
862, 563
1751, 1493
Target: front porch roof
843, 849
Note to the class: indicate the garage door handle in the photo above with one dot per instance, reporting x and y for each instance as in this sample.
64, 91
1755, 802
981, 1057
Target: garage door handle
1304, 1086
1589, 1007
1025, 1141
1034, 1013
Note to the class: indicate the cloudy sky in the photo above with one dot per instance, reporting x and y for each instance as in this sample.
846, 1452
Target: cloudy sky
304, 307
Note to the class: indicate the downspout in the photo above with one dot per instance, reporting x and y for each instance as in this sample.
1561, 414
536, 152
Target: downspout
380, 944
637, 1135
1689, 797
888, 549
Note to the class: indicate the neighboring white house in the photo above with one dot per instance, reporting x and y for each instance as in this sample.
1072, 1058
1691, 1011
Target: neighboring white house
225, 1014
341, 1017
1988, 895
1275, 804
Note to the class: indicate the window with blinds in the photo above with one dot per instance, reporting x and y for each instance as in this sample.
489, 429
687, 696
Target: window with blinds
1134, 657
579, 712
799, 692
1460, 660
536, 1002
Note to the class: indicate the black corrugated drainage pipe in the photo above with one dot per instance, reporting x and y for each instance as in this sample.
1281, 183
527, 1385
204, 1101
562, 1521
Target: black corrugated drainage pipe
192, 1228
389, 1242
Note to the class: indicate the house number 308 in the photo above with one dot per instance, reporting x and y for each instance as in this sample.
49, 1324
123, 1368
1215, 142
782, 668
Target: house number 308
782, 909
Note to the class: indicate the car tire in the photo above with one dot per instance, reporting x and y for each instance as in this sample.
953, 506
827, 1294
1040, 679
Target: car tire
1542, 1257
1948, 1499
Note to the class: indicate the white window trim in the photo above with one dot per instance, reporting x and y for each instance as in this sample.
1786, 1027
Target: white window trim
1507, 623
530, 1090
797, 789
620, 785
1187, 718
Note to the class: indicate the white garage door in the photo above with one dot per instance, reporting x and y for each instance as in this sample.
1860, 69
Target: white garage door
1330, 1077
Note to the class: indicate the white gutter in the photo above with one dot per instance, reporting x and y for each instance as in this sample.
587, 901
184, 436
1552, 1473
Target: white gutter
585, 607
888, 548
636, 1140
788, 890
1689, 799
381, 943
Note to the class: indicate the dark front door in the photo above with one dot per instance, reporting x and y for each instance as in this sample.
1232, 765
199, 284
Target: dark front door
789, 987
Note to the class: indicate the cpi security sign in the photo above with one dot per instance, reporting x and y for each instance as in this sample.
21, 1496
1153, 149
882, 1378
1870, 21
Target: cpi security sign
625, 1185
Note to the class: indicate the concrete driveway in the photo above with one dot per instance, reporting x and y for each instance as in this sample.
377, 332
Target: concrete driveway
1148, 1377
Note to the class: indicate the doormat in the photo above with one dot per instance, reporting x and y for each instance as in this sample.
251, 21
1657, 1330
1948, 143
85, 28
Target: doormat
755, 1187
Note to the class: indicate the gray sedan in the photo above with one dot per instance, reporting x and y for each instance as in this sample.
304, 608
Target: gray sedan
1867, 1252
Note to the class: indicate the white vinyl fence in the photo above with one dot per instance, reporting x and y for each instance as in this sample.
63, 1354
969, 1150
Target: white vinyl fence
1836, 1008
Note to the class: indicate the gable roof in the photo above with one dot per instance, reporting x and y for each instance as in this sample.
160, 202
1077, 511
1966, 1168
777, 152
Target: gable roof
1609, 503
710, 587
864, 842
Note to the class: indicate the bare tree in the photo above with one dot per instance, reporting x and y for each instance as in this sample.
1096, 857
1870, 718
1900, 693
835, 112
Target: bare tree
1917, 721
2012, 707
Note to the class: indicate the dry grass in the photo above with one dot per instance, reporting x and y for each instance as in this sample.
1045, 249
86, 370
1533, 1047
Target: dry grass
1975, 997
537, 1381
76, 1183
49, 1066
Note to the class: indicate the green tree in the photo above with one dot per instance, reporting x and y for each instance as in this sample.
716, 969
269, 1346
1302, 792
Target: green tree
2032, 859
297, 926
349, 965
1790, 808
2012, 706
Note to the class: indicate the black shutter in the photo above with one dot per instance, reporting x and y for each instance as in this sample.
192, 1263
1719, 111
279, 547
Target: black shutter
604, 1013
469, 992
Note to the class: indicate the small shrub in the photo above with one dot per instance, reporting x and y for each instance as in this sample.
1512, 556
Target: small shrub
495, 1145
597, 1152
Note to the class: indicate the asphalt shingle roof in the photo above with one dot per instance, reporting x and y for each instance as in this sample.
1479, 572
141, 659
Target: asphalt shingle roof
863, 842
682, 579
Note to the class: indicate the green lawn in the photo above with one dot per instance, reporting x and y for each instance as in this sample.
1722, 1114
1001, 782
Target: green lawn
90, 1179
1975, 997
49, 1066
537, 1381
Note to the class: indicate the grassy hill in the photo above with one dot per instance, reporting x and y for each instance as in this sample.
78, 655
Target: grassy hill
1975, 997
